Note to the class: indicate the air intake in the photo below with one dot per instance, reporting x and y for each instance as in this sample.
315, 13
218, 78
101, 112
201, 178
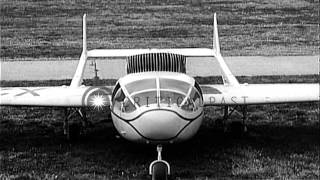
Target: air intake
156, 62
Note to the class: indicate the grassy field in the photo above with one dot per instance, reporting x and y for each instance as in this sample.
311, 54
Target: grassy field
31, 28
282, 142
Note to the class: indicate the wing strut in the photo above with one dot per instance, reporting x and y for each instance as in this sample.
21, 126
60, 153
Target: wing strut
227, 76
77, 78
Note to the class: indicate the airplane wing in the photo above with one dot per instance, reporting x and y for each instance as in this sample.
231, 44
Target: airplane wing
245, 94
63, 96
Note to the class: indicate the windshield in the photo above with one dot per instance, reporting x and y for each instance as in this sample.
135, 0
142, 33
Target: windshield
173, 84
141, 85
163, 92
145, 98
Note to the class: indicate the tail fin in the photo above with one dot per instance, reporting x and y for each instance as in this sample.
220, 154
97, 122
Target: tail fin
77, 78
227, 76
215, 43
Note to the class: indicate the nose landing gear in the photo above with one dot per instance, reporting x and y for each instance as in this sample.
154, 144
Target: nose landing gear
159, 169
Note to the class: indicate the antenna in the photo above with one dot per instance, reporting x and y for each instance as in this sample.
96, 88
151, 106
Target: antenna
96, 77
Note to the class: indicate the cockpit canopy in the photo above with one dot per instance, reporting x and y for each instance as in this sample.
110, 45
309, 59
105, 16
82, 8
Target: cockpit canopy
157, 92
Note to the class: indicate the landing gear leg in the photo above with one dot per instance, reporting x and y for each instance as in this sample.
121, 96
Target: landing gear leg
84, 120
159, 169
244, 117
237, 127
225, 118
222, 123
72, 131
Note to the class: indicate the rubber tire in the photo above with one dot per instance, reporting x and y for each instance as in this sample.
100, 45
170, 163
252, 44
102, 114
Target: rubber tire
159, 171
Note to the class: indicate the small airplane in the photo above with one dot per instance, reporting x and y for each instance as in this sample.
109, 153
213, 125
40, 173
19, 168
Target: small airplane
157, 102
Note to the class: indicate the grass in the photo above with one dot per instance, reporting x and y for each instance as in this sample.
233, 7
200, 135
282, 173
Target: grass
282, 142
247, 27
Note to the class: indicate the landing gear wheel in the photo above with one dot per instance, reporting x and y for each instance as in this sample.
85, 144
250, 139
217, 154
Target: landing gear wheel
73, 129
159, 171
235, 127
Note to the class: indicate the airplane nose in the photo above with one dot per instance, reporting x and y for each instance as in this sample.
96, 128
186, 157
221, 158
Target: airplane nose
159, 124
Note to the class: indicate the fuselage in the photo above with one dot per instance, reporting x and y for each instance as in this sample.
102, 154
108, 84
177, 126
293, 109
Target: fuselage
157, 107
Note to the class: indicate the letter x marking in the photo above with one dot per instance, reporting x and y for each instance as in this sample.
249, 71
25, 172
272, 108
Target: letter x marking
3, 89
33, 92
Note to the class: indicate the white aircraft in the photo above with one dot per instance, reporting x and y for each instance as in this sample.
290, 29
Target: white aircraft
157, 102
